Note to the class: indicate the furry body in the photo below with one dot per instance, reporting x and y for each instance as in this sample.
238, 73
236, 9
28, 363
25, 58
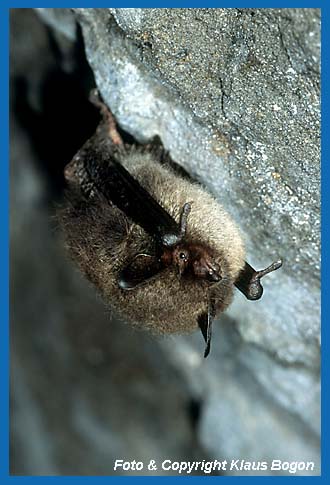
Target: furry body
102, 240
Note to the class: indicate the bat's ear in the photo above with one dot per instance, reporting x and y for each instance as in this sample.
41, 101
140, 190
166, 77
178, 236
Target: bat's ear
139, 271
248, 281
205, 321
205, 325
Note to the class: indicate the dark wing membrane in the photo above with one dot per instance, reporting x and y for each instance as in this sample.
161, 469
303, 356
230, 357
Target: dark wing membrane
120, 187
140, 271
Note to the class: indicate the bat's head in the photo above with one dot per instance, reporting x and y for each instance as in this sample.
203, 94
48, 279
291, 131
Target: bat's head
195, 260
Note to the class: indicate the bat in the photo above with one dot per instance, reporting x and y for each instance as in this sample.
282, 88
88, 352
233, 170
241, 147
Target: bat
160, 249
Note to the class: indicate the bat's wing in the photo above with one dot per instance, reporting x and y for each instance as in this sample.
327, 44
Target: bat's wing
118, 186
248, 281
96, 167
140, 271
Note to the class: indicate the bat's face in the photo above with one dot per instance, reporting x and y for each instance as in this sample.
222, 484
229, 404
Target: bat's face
193, 260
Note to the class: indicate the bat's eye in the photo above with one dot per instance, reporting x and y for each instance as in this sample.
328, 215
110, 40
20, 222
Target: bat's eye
183, 256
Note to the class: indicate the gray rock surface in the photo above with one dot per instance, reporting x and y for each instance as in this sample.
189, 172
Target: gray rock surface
234, 96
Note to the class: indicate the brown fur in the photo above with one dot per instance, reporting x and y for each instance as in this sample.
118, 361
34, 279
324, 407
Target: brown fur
103, 241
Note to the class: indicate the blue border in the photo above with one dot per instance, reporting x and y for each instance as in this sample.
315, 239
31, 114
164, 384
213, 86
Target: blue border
171, 4
325, 205
4, 240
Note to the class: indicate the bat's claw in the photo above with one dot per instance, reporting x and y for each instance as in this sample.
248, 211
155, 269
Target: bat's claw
107, 117
95, 98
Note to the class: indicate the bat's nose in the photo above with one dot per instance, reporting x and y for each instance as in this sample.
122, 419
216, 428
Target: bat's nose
213, 276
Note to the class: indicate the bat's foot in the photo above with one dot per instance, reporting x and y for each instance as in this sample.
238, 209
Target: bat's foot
107, 118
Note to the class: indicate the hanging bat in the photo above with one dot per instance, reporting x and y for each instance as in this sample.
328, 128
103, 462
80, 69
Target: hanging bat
160, 249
